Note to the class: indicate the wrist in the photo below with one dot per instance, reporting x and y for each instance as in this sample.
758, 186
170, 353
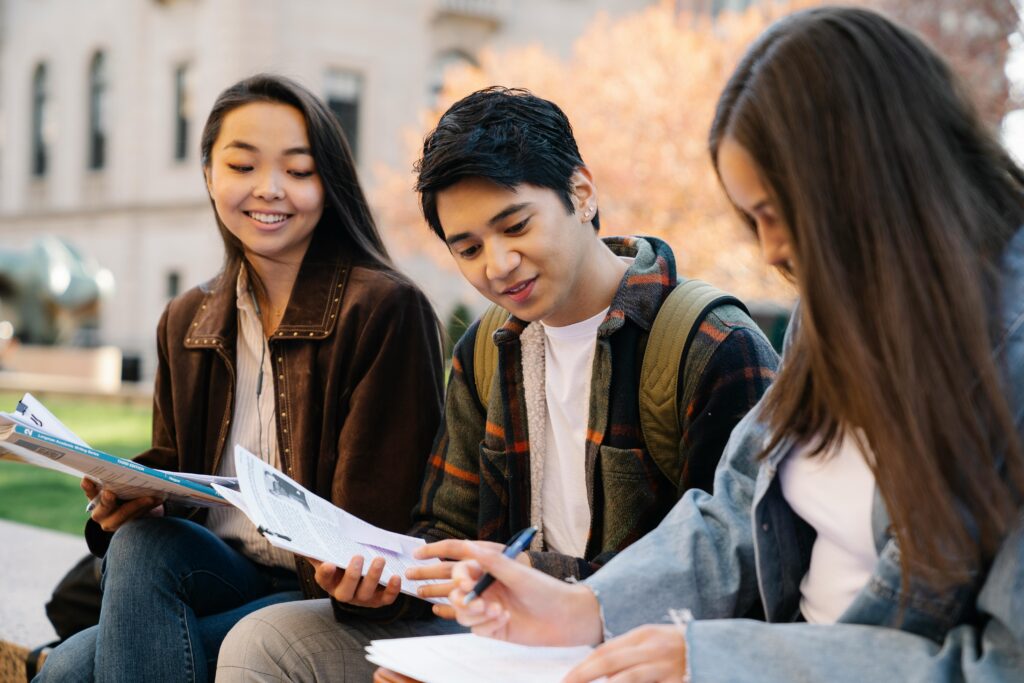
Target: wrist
588, 615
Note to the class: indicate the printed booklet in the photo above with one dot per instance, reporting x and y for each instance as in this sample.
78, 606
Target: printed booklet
288, 515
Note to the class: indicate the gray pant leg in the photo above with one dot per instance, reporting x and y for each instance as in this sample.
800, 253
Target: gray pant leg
302, 642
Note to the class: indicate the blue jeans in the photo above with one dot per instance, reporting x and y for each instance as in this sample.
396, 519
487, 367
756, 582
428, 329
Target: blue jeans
171, 592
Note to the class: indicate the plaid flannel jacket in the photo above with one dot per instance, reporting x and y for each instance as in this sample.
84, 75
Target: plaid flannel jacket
477, 483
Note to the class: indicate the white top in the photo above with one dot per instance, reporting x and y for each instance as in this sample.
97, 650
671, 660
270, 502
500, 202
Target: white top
833, 492
253, 427
568, 365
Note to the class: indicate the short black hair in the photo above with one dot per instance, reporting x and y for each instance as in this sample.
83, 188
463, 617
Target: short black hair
508, 136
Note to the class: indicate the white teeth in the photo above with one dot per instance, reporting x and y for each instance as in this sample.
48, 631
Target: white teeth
269, 218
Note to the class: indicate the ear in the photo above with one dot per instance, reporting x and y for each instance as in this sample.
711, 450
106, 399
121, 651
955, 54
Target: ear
206, 176
584, 193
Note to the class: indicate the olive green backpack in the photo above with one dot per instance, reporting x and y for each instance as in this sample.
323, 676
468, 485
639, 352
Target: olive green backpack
684, 309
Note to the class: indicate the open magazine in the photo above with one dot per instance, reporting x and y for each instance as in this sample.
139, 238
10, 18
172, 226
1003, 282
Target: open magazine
33, 435
288, 515
296, 519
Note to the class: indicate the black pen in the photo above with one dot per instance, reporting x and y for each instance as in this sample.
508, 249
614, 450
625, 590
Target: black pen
516, 545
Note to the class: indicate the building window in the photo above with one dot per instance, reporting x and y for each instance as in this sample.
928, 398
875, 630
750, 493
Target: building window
343, 91
97, 112
173, 284
40, 122
182, 111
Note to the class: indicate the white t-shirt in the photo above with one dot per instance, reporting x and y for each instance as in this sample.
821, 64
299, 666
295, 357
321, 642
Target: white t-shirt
568, 365
834, 493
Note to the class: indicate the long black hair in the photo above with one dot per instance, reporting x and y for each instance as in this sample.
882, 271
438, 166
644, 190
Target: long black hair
346, 211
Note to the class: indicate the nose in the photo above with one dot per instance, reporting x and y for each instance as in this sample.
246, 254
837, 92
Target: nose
501, 261
268, 186
775, 247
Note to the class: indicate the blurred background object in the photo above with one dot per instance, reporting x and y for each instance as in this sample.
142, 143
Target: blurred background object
51, 294
50, 302
102, 102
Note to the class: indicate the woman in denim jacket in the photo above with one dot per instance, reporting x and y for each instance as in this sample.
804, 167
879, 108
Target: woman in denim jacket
869, 509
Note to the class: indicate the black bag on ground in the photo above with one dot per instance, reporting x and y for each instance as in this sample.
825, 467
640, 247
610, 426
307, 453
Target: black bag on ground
75, 605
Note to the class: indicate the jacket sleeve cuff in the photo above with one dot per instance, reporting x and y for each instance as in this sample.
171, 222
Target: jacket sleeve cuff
97, 539
404, 607
560, 566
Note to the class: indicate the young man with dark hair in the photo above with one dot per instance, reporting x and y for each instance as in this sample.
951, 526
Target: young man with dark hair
555, 439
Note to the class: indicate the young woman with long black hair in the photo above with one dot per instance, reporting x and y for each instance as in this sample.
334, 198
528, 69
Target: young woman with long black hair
870, 508
308, 348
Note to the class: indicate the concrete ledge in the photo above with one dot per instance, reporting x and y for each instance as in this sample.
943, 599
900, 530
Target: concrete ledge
96, 369
41, 386
34, 560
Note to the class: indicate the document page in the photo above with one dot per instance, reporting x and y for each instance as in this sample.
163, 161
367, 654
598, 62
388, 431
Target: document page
468, 658
293, 518
126, 478
34, 415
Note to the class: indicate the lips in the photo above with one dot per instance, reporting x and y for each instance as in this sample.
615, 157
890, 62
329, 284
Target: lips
267, 218
520, 291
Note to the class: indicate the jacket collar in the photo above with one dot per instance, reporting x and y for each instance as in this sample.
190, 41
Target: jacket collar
648, 280
311, 312
1012, 290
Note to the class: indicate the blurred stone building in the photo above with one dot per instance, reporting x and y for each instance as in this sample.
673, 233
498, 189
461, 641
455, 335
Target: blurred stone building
102, 102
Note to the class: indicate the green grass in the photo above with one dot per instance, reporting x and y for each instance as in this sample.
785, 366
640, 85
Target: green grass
45, 498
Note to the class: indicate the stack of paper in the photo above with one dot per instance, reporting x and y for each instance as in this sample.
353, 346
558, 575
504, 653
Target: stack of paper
469, 658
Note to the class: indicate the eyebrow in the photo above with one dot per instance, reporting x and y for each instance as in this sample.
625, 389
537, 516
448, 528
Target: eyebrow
494, 220
239, 144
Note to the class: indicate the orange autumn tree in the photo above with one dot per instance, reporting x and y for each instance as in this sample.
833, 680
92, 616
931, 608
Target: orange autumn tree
974, 35
640, 92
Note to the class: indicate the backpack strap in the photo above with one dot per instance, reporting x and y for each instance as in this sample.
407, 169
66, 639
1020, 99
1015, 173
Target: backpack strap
485, 353
684, 309
669, 342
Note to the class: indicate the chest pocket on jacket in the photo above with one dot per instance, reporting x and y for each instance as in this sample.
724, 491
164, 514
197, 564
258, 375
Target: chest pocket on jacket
629, 495
501, 496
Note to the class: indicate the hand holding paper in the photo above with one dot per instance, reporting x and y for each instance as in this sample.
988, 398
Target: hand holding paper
112, 513
294, 518
350, 586
31, 434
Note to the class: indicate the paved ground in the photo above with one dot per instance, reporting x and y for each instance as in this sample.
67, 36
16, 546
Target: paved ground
32, 561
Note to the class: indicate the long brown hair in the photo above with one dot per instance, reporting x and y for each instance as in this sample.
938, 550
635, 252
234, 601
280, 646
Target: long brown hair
346, 212
899, 203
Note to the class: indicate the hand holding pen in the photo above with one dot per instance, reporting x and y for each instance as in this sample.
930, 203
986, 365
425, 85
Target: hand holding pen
111, 513
517, 544
522, 605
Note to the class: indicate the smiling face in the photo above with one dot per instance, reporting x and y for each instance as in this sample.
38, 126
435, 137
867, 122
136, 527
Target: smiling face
522, 249
742, 182
264, 183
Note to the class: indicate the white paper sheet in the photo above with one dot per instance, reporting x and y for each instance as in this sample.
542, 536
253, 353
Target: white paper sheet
465, 658
295, 519
34, 435
33, 414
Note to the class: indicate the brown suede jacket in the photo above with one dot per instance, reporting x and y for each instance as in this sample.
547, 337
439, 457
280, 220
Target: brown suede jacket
358, 381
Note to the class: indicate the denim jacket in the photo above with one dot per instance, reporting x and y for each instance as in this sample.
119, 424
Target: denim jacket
743, 552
